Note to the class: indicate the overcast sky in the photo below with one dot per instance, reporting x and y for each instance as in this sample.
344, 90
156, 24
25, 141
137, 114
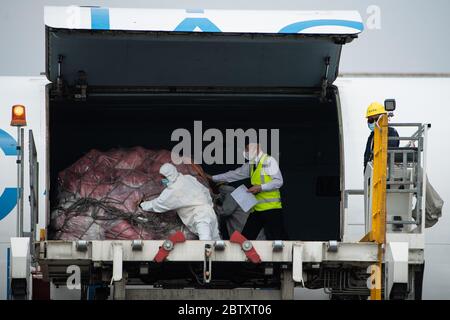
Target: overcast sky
401, 36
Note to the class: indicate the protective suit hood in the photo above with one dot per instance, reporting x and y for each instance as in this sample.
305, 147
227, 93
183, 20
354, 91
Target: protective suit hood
169, 171
190, 199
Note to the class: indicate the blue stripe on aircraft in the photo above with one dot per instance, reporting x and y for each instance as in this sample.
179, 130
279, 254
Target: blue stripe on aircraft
302, 25
8, 201
8, 198
100, 21
190, 24
7, 143
100, 18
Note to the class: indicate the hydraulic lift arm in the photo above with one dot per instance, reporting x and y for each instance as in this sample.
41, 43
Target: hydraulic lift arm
378, 232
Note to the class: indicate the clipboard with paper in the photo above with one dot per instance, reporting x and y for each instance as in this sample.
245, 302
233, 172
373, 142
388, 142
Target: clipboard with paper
244, 199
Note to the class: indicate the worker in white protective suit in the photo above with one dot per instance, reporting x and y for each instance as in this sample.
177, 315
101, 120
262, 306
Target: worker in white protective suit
190, 199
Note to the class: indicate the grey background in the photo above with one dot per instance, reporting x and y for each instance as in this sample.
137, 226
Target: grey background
413, 37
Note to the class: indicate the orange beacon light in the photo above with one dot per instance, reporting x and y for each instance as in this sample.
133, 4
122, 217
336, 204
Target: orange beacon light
18, 118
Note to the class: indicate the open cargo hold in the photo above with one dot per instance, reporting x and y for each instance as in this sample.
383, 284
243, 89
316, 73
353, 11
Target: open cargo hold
133, 88
309, 142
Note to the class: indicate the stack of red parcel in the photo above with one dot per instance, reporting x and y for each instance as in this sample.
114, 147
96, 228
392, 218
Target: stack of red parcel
99, 196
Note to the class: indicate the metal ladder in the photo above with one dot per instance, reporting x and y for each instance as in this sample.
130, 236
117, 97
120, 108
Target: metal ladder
396, 170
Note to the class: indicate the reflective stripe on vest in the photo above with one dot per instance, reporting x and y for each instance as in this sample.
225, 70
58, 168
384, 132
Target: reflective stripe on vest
267, 200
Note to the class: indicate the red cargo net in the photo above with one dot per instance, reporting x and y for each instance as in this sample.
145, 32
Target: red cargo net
99, 196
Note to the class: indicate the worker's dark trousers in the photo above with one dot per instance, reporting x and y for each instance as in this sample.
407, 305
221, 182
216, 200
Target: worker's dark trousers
270, 220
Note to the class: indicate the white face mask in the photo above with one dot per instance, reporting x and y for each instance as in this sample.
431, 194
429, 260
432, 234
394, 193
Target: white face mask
250, 155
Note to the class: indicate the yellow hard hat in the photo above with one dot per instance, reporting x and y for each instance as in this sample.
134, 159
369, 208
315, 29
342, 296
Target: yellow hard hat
375, 108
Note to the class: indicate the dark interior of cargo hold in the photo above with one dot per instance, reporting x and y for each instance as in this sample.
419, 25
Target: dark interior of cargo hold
308, 134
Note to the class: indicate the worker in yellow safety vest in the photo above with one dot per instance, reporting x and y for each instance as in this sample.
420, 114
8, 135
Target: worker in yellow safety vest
266, 179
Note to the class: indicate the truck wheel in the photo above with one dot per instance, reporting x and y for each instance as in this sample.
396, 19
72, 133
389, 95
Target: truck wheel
19, 289
399, 291
101, 293
347, 297
418, 282
402, 291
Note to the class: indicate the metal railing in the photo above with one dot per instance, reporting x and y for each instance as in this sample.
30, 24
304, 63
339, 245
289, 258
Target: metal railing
406, 175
